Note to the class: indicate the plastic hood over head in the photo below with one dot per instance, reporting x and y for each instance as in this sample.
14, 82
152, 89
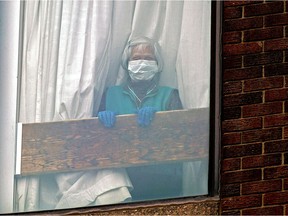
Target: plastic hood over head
142, 40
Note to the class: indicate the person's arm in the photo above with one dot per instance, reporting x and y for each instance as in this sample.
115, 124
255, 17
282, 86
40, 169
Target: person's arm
102, 106
175, 101
106, 117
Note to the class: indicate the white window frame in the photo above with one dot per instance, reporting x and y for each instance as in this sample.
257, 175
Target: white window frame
9, 44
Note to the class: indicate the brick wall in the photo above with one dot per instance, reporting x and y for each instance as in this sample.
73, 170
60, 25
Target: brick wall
254, 164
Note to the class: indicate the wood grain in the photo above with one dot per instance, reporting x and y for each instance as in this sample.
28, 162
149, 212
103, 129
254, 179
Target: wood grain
85, 144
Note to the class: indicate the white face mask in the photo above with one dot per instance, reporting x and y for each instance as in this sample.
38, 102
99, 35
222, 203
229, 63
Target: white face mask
140, 70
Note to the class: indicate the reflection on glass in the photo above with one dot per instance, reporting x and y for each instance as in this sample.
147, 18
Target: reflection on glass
80, 66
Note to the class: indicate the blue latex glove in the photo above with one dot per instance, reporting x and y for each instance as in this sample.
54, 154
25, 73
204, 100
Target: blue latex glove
145, 116
107, 118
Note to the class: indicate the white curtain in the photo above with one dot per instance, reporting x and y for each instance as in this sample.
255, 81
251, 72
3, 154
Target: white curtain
72, 52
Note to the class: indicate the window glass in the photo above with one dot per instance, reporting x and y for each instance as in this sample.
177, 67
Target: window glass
106, 59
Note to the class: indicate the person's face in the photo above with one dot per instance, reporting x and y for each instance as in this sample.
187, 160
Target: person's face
142, 64
142, 53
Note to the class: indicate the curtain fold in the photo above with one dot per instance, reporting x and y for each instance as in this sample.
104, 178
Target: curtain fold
86, 56
193, 59
72, 52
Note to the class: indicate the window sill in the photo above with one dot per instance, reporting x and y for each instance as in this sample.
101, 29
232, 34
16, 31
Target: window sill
182, 206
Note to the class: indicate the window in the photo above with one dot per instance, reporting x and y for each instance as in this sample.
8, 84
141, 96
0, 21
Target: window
66, 66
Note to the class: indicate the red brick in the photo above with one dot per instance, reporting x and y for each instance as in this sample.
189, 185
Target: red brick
286, 81
240, 202
285, 132
276, 44
231, 138
286, 184
263, 34
276, 120
263, 58
275, 198
232, 37
263, 83
276, 172
243, 73
262, 9
231, 113
232, 62
230, 190
232, 87
233, 213
241, 176
276, 95
261, 135
286, 107
286, 158
261, 161
242, 99
242, 150
262, 109
243, 24
241, 124
240, 3
231, 164
261, 186
276, 69
274, 210
232, 12
276, 146
276, 19
242, 49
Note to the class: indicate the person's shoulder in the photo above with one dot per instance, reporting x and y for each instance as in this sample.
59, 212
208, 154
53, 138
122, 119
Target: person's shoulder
167, 88
115, 88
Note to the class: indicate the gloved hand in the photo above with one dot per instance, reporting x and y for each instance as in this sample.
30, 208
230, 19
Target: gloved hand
107, 118
146, 115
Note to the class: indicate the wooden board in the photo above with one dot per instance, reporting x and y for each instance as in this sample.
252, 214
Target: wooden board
86, 144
